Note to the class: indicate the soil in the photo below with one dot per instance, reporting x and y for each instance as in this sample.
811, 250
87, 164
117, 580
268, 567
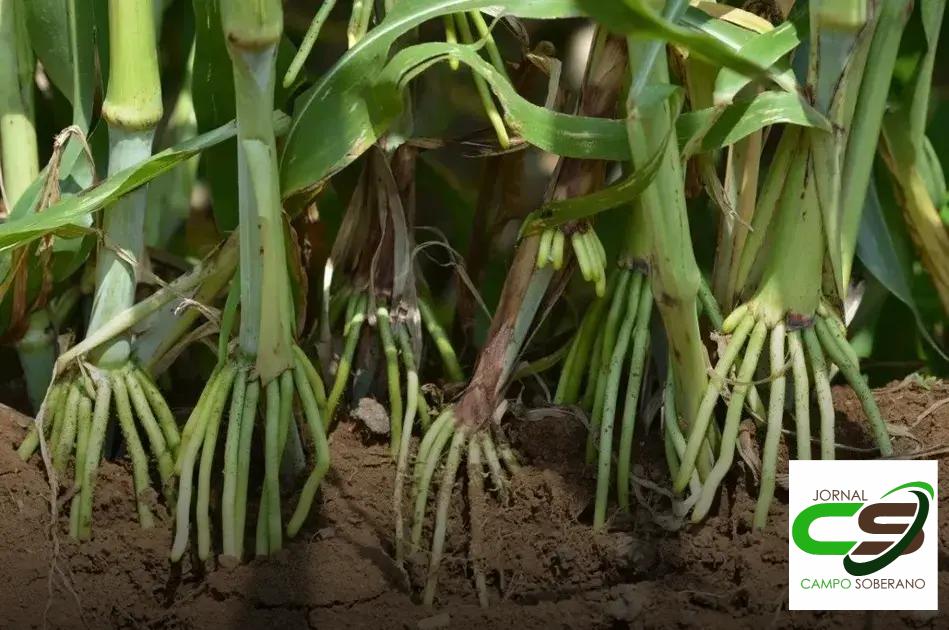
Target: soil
545, 567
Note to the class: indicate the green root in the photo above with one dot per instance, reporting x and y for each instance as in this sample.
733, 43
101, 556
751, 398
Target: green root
809, 355
75, 421
459, 440
237, 387
384, 324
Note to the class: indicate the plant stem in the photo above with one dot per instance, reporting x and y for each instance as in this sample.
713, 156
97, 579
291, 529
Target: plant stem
674, 273
252, 30
18, 151
132, 109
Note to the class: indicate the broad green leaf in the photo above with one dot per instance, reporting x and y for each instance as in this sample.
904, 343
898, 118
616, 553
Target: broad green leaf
340, 116
635, 16
555, 213
769, 48
720, 126
886, 251
61, 33
563, 134
213, 95
65, 217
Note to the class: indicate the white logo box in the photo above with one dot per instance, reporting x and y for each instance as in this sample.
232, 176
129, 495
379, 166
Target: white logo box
821, 582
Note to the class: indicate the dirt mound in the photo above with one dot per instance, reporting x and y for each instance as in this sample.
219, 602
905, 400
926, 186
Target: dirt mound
545, 567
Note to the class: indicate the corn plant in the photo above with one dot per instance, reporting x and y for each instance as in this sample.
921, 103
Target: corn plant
797, 147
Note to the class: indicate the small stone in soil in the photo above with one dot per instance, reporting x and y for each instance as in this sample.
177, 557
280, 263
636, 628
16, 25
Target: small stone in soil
625, 605
373, 415
325, 533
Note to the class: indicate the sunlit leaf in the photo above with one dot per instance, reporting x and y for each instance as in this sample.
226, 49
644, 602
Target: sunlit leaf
340, 117
65, 218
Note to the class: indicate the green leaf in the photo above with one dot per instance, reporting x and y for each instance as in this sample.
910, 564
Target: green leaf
567, 135
378, 105
65, 217
720, 126
769, 48
886, 251
636, 17
213, 94
555, 213
61, 33
342, 115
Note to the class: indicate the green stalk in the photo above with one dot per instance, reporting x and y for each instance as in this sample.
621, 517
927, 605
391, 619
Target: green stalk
208, 411
231, 445
484, 92
19, 167
442, 343
352, 331
617, 359
839, 45
252, 30
825, 403
136, 452
100, 421
82, 447
732, 422
495, 471
248, 418
611, 330
802, 402
312, 33
769, 456
156, 438
132, 109
19, 156
674, 274
455, 451
322, 454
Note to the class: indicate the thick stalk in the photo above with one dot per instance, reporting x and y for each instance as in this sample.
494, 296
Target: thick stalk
19, 166
132, 109
252, 30
18, 152
674, 273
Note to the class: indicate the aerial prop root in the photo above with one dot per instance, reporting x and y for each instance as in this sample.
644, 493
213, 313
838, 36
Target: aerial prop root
446, 443
235, 386
808, 348
74, 421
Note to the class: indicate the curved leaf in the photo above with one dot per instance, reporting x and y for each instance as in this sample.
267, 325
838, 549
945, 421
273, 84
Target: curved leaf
561, 211
635, 16
65, 217
61, 32
885, 249
768, 47
720, 126
342, 115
